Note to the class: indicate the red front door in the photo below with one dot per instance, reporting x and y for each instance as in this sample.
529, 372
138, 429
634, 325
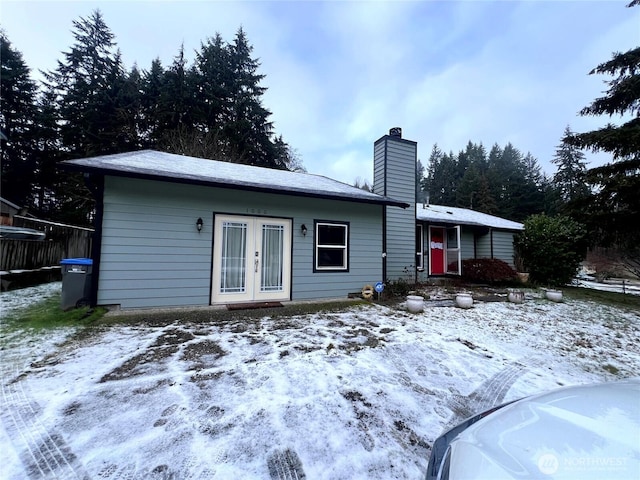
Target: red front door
436, 250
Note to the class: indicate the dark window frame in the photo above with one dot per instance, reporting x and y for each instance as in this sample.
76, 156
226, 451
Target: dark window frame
317, 224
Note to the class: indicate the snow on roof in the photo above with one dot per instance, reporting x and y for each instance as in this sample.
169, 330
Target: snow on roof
162, 165
464, 216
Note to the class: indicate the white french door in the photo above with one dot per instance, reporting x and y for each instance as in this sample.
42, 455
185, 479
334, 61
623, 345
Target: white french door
252, 259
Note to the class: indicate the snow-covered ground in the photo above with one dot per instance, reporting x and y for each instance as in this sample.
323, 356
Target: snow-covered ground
360, 393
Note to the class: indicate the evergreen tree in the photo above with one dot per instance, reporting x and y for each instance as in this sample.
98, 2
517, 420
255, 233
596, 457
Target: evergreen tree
612, 214
213, 79
175, 101
129, 111
483, 200
17, 122
569, 179
442, 177
473, 186
530, 191
85, 88
152, 119
469, 185
248, 127
421, 194
86, 81
48, 152
502, 175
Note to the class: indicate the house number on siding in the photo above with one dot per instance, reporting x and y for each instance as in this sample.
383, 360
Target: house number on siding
259, 211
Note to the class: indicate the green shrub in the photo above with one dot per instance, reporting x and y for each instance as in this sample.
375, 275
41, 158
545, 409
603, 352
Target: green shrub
487, 270
551, 248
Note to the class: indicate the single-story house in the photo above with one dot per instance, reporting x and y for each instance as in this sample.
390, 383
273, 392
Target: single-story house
173, 230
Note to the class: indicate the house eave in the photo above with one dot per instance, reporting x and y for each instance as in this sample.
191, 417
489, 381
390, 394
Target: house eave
439, 222
229, 185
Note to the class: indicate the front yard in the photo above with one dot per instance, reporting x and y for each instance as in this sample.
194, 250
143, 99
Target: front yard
356, 393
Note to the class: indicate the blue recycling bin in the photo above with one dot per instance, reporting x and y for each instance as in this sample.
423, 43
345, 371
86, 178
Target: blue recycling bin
76, 282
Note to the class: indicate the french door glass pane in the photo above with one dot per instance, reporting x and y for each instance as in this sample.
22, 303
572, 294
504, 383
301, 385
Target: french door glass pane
272, 258
234, 251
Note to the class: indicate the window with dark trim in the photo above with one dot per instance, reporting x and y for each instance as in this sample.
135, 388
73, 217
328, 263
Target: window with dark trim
331, 246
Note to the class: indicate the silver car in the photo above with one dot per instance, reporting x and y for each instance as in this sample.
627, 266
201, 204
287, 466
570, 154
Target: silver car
583, 432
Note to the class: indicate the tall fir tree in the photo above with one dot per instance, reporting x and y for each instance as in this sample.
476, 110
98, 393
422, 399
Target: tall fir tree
152, 118
569, 178
442, 177
18, 120
249, 127
86, 81
612, 214
49, 151
86, 85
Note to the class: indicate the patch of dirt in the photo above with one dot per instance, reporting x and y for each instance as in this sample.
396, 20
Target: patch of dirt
164, 347
194, 351
467, 344
355, 397
71, 408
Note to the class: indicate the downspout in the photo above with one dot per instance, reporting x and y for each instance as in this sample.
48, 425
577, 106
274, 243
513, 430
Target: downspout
96, 186
384, 244
491, 240
475, 244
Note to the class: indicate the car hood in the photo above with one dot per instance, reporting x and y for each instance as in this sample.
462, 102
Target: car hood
581, 432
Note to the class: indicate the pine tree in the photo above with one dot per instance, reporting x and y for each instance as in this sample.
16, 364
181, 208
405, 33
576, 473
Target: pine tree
213, 79
17, 122
528, 189
421, 194
85, 88
175, 104
48, 152
151, 121
129, 111
248, 127
442, 177
86, 81
569, 179
613, 213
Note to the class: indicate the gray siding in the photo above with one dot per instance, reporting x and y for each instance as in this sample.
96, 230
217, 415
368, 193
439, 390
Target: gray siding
502, 246
399, 158
152, 254
379, 150
466, 243
483, 246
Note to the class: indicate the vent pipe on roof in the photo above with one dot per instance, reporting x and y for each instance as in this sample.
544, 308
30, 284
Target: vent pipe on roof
395, 132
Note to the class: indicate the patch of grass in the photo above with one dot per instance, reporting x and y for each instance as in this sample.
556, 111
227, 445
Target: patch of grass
48, 314
605, 298
611, 369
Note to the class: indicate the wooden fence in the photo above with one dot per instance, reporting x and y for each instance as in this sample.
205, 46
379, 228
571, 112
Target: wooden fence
62, 241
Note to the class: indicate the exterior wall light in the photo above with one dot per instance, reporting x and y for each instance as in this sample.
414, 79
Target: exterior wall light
303, 229
199, 224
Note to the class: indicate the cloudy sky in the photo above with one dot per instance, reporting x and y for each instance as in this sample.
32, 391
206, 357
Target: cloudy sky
340, 74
